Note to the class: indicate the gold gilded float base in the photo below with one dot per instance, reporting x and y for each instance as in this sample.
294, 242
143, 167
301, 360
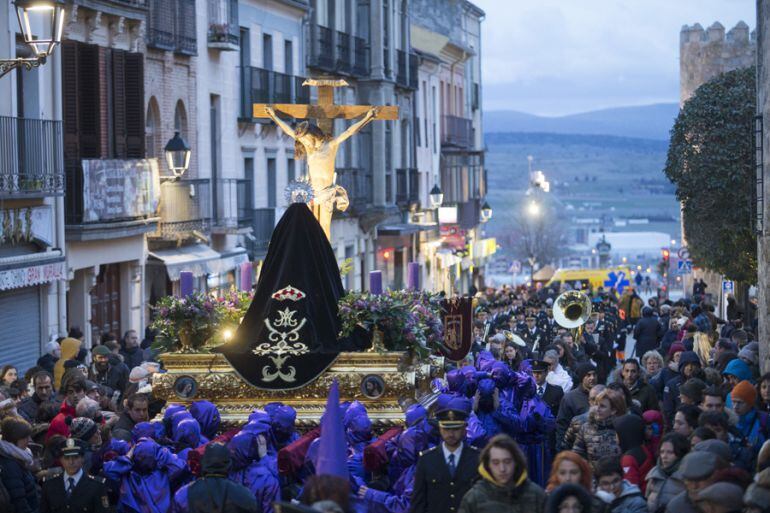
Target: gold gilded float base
218, 382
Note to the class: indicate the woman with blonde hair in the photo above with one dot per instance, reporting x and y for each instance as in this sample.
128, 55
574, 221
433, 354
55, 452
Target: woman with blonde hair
597, 438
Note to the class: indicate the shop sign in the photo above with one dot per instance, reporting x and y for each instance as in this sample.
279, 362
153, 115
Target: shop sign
32, 275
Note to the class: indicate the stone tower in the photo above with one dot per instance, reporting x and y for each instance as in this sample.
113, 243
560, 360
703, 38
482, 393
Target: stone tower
704, 54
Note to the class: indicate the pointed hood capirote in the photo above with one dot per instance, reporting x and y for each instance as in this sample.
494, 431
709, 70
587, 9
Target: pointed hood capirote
289, 334
332, 448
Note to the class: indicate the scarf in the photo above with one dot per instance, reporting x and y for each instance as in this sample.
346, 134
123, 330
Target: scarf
669, 471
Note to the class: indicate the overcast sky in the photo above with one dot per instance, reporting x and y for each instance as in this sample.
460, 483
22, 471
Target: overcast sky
555, 57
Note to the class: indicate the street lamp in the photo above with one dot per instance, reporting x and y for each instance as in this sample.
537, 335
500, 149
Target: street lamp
486, 212
177, 155
533, 209
436, 196
47, 14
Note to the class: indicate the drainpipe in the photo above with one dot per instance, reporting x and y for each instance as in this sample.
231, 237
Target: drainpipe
61, 285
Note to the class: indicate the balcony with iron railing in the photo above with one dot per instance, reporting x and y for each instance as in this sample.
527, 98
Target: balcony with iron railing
262, 224
361, 57
31, 158
321, 54
358, 184
171, 26
402, 61
463, 177
186, 40
184, 209
223, 30
407, 186
233, 205
414, 65
456, 131
344, 55
264, 86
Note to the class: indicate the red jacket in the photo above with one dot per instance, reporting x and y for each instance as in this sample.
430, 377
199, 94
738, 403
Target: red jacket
59, 424
635, 472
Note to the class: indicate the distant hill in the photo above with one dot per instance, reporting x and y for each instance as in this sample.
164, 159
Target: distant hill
647, 122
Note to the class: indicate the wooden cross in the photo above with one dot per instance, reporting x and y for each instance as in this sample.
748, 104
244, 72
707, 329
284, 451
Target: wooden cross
325, 111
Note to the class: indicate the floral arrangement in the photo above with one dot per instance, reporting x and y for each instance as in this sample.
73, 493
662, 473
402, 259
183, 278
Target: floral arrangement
184, 321
408, 320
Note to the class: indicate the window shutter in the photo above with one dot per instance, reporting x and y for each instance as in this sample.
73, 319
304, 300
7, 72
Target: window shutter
119, 103
88, 101
134, 105
69, 92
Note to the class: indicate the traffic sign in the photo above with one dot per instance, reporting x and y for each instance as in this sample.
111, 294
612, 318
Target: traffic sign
515, 267
728, 287
683, 253
684, 267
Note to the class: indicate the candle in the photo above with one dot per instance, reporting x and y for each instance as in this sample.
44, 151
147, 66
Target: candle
375, 282
185, 283
413, 276
246, 276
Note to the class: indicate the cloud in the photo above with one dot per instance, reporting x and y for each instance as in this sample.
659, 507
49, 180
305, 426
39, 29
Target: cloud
555, 57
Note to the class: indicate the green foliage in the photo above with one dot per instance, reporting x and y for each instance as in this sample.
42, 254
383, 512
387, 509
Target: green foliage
711, 162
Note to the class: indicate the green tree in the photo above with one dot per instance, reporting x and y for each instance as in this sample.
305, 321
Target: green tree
711, 162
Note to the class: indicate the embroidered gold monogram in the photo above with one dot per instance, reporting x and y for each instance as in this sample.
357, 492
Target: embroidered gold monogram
284, 333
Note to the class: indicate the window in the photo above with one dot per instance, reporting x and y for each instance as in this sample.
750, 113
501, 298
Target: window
153, 142
267, 52
288, 57
291, 170
271, 183
180, 120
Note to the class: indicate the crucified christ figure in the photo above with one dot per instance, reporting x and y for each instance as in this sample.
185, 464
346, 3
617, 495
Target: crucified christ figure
320, 149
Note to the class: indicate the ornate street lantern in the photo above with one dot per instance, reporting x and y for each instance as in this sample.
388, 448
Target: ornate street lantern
46, 16
436, 196
486, 212
177, 155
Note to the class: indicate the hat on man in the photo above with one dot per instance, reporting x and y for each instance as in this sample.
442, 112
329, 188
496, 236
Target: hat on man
82, 428
715, 446
138, 374
746, 392
693, 388
72, 447
455, 414
101, 351
540, 366
749, 356
699, 465
722, 493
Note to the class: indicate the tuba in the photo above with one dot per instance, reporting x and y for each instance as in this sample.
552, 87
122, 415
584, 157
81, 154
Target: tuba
571, 309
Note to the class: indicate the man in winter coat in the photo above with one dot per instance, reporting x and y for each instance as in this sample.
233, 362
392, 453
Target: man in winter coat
132, 354
648, 332
697, 470
108, 371
42, 382
689, 367
76, 390
575, 402
622, 496
640, 391
504, 486
214, 492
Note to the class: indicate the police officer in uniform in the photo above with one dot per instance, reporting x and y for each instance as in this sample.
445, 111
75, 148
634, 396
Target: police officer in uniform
445, 472
74, 490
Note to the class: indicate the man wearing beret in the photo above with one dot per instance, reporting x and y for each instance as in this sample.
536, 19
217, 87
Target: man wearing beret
445, 472
697, 470
74, 489
108, 371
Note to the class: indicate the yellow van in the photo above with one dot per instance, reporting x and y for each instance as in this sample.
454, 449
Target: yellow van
584, 279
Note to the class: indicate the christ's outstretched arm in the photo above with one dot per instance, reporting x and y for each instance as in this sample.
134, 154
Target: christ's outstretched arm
355, 127
281, 123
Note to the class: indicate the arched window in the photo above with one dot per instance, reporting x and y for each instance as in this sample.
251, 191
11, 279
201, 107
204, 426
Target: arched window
153, 143
180, 120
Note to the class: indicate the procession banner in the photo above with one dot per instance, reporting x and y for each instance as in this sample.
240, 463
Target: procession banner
457, 317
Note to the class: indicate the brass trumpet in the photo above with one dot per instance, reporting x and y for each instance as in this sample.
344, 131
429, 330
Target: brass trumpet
571, 309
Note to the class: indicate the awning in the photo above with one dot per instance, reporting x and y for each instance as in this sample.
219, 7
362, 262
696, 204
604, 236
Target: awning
232, 259
197, 258
397, 230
